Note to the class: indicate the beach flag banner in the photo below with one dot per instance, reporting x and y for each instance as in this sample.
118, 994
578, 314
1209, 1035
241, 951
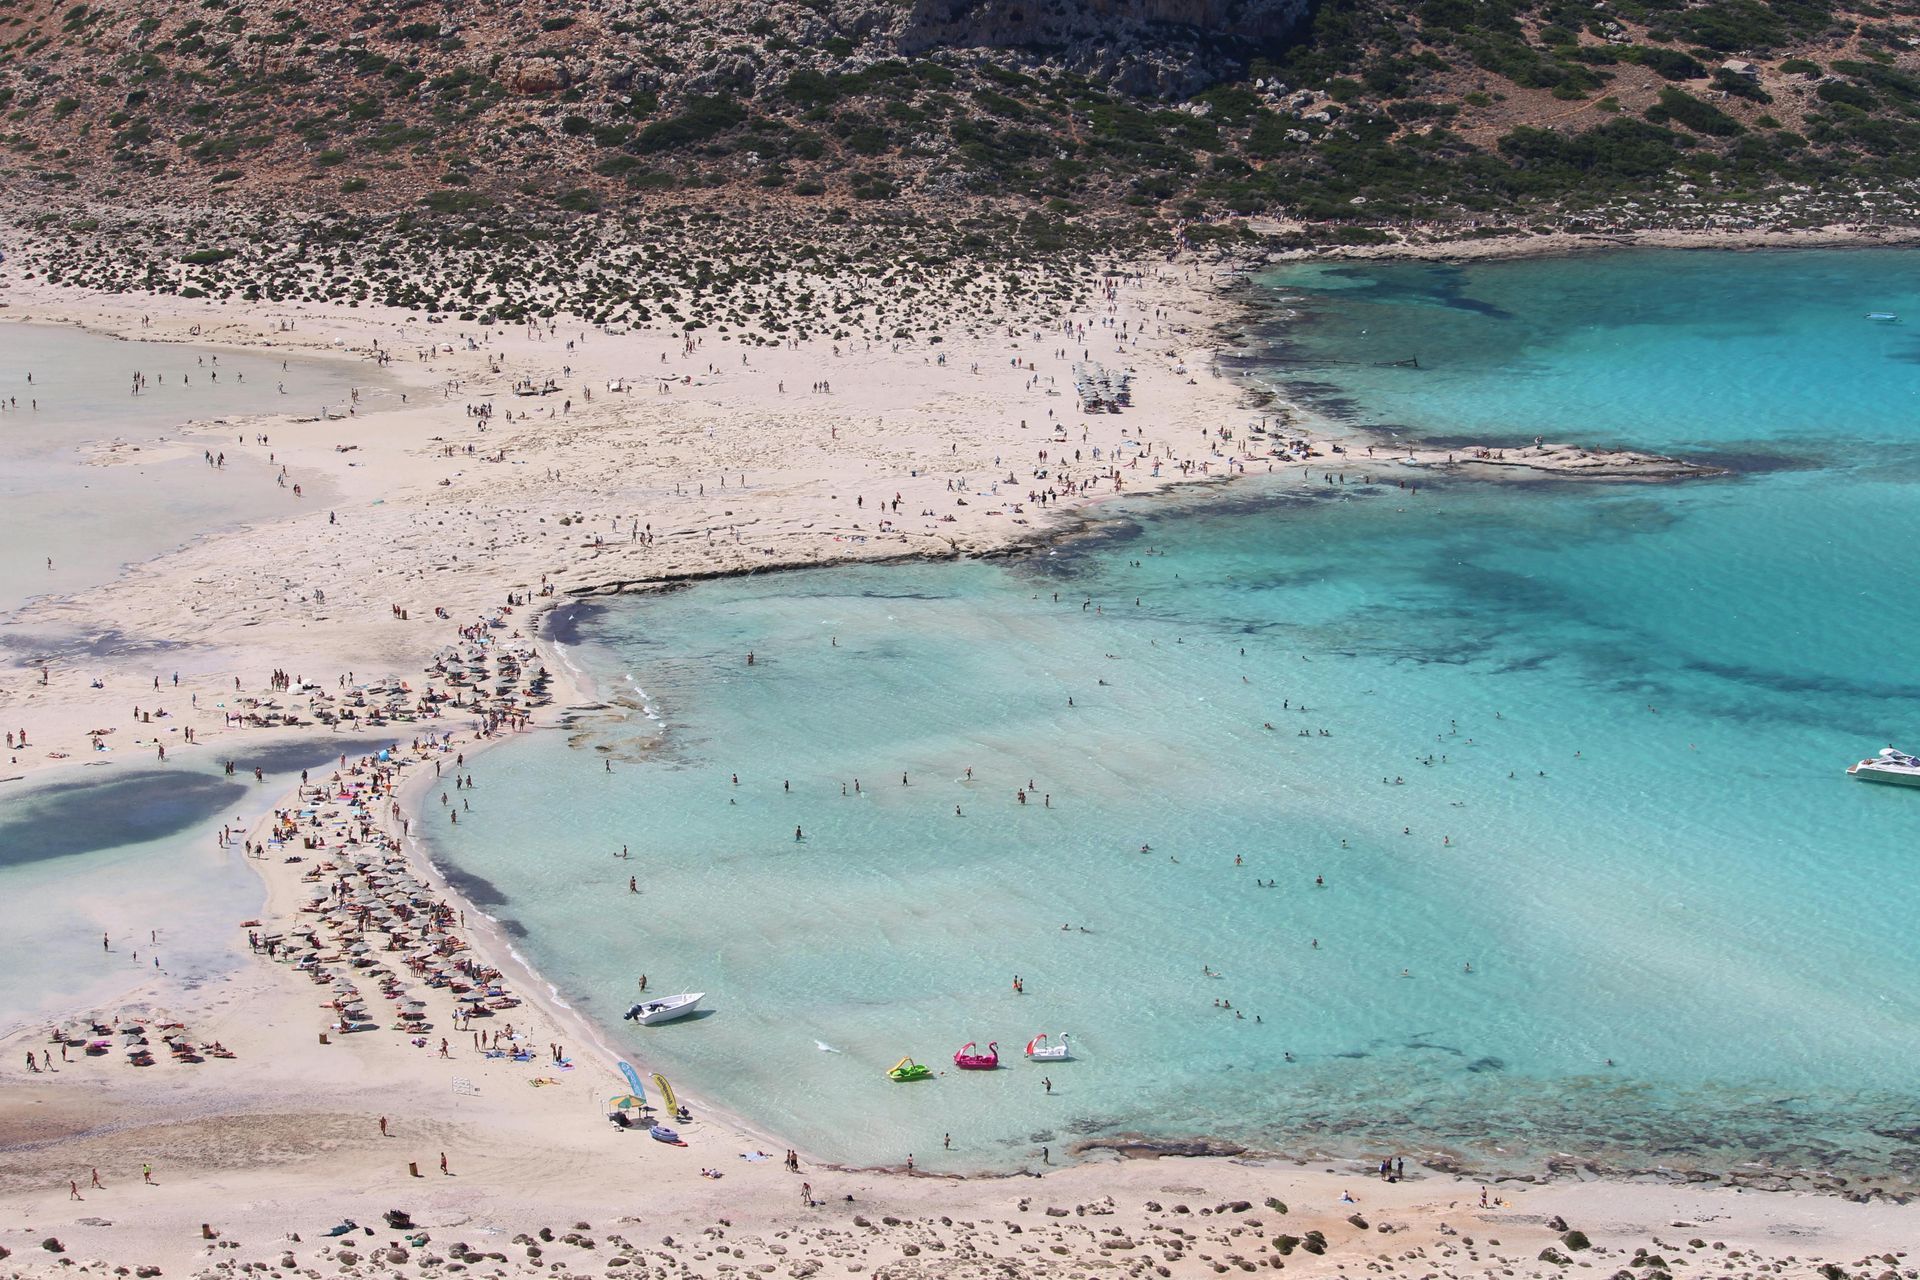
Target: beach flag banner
465, 1087
633, 1080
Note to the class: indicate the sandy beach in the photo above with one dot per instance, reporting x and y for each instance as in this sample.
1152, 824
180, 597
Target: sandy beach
531, 465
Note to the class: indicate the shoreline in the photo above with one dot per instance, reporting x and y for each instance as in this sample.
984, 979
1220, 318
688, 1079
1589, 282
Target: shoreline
1557, 244
386, 1075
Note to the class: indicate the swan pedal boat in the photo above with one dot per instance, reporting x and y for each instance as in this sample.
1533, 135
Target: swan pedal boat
967, 1060
1038, 1050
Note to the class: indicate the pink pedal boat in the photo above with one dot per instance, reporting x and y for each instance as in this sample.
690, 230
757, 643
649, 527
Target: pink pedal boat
968, 1060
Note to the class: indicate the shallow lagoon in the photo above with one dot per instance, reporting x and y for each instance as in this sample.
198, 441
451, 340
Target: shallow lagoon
61, 498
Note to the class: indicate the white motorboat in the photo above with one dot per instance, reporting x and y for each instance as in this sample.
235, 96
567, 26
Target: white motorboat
665, 1009
1892, 766
1038, 1050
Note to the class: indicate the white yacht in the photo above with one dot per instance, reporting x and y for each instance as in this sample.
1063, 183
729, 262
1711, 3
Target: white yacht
1892, 766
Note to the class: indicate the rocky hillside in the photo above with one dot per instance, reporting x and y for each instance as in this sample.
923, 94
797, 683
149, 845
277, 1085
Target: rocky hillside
1339, 118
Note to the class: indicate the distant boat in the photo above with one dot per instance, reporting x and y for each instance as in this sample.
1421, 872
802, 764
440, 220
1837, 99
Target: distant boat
967, 1060
1038, 1050
1897, 767
906, 1070
1884, 317
665, 1009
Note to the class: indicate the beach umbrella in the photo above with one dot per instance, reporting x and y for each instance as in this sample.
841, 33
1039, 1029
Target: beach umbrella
627, 1102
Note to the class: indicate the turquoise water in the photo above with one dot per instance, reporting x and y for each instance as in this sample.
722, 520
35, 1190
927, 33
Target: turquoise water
58, 499
1587, 740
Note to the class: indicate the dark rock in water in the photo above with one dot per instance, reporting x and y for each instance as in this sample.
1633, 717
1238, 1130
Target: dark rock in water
1139, 1148
1557, 1258
1576, 1240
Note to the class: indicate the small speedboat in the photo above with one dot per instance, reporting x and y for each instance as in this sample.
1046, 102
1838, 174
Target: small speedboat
906, 1070
665, 1009
1038, 1050
967, 1060
660, 1133
1890, 765
1884, 317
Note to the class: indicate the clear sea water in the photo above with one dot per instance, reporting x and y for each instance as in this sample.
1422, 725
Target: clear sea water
1586, 739
59, 499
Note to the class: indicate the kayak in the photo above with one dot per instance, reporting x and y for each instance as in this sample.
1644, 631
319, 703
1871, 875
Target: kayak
660, 1133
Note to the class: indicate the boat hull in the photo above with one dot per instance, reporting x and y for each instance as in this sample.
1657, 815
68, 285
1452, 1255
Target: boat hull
651, 1013
1887, 777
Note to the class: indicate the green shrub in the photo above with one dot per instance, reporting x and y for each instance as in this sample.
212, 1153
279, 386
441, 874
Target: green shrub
700, 120
1701, 117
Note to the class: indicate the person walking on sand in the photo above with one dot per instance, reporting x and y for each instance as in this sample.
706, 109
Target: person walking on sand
806, 1194
146, 1174
383, 1126
443, 1163
73, 1190
97, 1184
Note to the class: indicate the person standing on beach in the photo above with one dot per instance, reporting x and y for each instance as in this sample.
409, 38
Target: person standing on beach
443, 1163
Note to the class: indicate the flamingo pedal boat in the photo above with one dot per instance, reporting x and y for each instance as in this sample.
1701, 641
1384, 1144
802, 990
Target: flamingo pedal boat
967, 1060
